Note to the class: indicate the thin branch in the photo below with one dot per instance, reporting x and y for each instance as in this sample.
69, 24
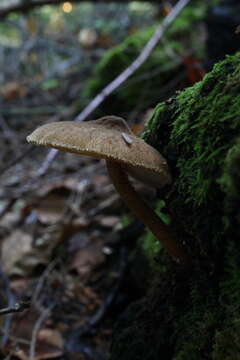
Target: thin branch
11, 300
122, 77
40, 284
18, 307
47, 162
45, 314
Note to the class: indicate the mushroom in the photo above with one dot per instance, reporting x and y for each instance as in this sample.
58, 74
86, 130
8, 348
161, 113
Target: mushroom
110, 138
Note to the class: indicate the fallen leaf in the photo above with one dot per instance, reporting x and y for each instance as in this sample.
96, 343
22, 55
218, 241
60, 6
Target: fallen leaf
51, 337
20, 286
49, 342
14, 248
20, 257
12, 90
87, 259
43, 351
51, 209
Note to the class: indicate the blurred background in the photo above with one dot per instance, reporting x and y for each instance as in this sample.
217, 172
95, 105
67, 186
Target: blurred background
66, 239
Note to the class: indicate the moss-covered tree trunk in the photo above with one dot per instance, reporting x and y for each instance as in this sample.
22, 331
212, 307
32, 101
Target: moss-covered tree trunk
194, 313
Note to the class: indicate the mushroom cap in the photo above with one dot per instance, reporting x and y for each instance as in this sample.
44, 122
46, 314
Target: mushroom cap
109, 138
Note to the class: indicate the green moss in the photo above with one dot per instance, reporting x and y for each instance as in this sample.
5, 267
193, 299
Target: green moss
227, 343
231, 175
151, 246
227, 338
195, 125
197, 311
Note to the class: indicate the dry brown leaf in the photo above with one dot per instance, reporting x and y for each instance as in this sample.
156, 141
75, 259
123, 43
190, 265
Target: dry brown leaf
14, 248
20, 286
54, 200
51, 337
20, 257
81, 222
100, 180
47, 351
23, 324
10, 219
105, 41
68, 184
51, 209
19, 353
86, 295
43, 351
49, 342
87, 259
12, 90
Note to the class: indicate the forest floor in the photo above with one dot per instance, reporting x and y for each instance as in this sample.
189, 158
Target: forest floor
64, 250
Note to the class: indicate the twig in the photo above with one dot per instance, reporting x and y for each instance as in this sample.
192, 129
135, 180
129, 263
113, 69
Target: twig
122, 77
11, 299
36, 329
74, 337
47, 162
17, 307
40, 283
7, 207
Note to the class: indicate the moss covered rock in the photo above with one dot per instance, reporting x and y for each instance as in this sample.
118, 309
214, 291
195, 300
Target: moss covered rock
194, 314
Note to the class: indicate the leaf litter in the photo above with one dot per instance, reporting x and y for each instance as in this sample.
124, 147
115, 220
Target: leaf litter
58, 248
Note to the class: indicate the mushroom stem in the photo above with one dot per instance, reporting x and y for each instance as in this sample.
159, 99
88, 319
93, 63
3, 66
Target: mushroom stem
144, 212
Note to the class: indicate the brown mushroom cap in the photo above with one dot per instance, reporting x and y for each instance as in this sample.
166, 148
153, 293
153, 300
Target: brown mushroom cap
109, 138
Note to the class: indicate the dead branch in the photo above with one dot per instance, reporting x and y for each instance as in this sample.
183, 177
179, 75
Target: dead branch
122, 77
17, 307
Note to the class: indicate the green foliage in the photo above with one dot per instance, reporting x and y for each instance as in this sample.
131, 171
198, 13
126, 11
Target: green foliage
227, 343
195, 327
9, 35
126, 221
150, 245
50, 84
